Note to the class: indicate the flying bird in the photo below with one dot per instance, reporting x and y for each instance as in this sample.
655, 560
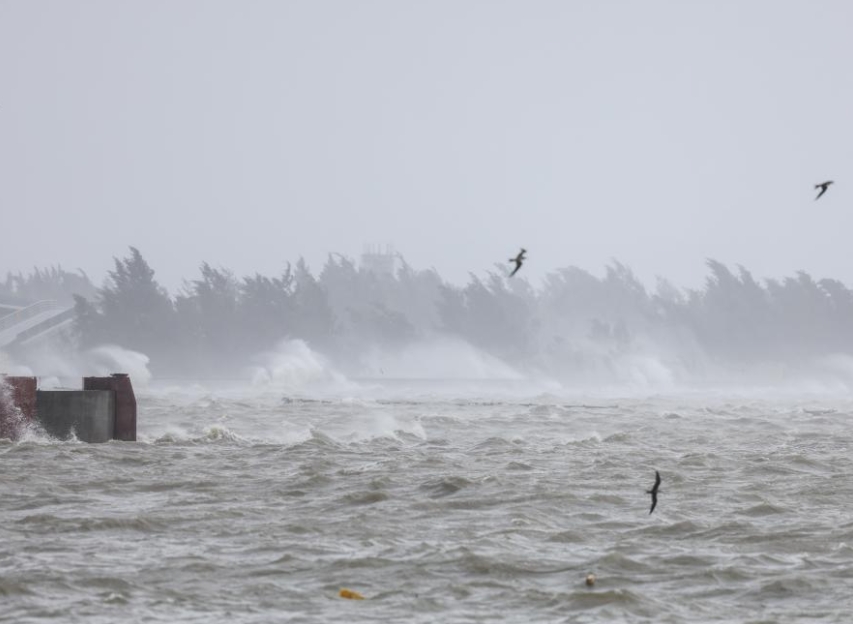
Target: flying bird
519, 260
654, 492
822, 186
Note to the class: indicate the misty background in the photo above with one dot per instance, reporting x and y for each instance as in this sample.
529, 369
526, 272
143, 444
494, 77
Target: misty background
378, 317
659, 133
185, 169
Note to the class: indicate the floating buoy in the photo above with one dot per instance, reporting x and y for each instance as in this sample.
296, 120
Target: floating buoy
590, 579
350, 594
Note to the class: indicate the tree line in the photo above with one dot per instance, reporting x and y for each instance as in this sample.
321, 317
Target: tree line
218, 322
54, 283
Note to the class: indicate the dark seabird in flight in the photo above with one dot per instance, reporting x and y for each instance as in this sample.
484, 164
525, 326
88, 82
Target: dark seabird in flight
822, 186
654, 492
519, 260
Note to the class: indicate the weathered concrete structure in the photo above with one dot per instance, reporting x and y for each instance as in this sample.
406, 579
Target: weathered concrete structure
104, 410
87, 414
17, 404
125, 403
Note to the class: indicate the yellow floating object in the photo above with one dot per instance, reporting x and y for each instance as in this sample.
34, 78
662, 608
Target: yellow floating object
590, 579
350, 594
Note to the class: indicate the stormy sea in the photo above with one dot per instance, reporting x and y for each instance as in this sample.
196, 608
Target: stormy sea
436, 501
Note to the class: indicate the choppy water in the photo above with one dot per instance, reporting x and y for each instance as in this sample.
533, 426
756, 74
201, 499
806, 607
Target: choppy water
437, 506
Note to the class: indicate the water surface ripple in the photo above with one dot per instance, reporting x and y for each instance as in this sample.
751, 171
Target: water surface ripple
256, 507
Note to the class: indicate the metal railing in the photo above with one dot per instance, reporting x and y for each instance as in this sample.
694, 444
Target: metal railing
43, 327
19, 316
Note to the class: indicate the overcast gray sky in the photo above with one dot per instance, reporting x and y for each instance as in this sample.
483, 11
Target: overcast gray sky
247, 134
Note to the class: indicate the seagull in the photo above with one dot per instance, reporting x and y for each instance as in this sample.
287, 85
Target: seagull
654, 492
822, 186
519, 260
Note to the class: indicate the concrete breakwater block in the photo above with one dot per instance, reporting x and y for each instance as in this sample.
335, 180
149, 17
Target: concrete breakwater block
125, 402
105, 409
87, 414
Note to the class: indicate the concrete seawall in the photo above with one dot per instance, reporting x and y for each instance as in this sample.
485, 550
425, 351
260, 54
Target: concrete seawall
87, 414
105, 409
125, 403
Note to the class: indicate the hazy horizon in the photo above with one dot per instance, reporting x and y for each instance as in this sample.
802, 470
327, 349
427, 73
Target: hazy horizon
659, 134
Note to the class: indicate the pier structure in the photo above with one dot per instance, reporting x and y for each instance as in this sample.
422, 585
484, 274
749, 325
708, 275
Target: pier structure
105, 409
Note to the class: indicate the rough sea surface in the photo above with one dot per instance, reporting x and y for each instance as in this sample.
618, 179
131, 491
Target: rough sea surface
481, 502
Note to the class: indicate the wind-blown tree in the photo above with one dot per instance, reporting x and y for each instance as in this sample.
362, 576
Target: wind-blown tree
804, 313
131, 310
377, 325
731, 316
313, 319
574, 322
51, 283
840, 315
452, 312
674, 329
586, 321
624, 309
569, 301
267, 309
344, 286
416, 297
88, 323
368, 306
488, 315
626, 299
208, 316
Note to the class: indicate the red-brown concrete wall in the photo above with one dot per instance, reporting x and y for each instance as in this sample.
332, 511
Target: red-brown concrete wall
125, 416
20, 393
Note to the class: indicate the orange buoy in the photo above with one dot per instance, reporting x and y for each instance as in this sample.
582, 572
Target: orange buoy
350, 594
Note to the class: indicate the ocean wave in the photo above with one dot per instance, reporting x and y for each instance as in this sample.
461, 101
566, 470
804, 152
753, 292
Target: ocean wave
11, 588
60, 524
445, 486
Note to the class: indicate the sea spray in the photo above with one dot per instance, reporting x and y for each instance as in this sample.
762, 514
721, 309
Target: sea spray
439, 358
56, 368
294, 367
108, 359
11, 418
